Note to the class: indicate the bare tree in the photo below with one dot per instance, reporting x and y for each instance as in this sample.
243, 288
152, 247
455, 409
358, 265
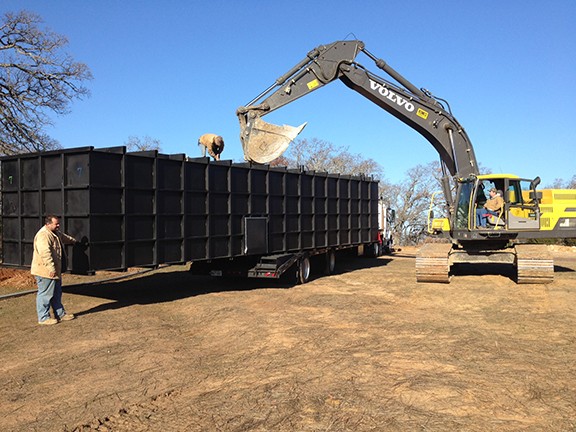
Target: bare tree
135, 143
36, 78
563, 184
411, 200
319, 155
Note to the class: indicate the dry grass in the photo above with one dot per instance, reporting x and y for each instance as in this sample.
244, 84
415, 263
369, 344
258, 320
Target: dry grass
364, 350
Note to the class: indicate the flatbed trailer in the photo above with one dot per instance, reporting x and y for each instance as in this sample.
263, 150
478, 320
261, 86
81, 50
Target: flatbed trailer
146, 209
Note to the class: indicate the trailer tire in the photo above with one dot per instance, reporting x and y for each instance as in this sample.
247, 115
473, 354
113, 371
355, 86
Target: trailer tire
372, 250
330, 262
290, 277
303, 270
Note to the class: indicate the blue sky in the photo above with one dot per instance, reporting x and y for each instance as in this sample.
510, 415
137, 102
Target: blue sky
176, 69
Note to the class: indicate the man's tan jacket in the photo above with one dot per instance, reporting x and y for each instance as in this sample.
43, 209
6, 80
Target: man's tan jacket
495, 204
47, 256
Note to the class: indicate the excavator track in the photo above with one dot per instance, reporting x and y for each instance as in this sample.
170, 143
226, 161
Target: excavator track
433, 263
535, 264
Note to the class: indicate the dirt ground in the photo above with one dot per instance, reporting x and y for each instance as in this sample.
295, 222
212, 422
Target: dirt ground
366, 349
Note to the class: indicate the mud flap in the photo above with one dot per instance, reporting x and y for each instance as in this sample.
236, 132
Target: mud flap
263, 142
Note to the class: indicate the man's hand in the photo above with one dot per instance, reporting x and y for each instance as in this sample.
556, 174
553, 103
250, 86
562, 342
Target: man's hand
52, 274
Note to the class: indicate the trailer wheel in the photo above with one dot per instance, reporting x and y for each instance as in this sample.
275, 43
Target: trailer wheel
372, 250
303, 270
330, 262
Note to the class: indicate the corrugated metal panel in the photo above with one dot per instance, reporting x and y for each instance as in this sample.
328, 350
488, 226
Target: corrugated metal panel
147, 209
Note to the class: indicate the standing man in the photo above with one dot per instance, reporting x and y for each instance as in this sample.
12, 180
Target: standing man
213, 143
47, 268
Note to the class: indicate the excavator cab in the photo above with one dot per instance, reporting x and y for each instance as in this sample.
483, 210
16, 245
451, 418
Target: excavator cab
520, 210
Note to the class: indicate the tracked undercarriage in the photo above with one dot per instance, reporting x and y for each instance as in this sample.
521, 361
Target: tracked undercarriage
534, 263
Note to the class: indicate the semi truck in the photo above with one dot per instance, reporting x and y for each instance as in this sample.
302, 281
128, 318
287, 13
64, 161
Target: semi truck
146, 209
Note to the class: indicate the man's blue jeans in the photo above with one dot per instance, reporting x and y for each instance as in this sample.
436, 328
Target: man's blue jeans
49, 294
481, 219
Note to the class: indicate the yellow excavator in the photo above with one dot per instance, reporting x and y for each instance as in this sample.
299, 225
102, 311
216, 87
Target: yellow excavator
526, 213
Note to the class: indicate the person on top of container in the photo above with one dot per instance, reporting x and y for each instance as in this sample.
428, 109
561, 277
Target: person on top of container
213, 143
493, 206
48, 262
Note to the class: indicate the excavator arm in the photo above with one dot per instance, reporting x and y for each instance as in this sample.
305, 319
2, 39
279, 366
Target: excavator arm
263, 142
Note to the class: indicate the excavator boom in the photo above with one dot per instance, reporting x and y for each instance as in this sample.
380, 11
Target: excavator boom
263, 142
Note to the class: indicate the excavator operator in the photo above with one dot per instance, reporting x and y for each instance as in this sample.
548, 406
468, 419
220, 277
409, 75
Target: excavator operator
493, 206
213, 143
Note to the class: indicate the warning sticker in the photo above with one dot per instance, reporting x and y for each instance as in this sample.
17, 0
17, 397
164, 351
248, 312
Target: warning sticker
422, 113
313, 84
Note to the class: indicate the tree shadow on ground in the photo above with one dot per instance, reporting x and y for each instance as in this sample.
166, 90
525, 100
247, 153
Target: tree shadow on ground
166, 286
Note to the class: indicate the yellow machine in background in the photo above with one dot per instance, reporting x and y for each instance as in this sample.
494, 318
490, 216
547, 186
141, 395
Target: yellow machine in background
558, 209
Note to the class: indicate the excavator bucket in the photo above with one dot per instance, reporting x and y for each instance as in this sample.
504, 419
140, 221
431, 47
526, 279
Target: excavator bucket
263, 142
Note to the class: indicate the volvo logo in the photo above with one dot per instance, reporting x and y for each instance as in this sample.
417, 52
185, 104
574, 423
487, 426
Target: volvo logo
391, 96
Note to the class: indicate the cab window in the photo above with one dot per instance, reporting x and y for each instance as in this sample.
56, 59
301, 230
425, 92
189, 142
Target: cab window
519, 192
463, 208
483, 193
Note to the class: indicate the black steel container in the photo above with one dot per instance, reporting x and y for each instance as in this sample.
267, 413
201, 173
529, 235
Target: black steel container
145, 209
